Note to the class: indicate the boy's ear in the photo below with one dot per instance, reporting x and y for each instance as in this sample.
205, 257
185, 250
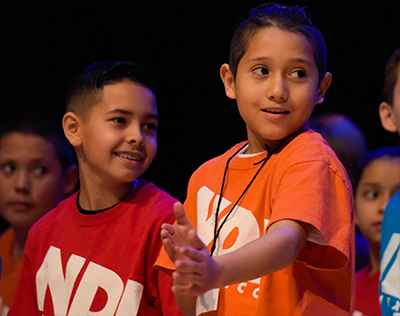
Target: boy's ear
387, 117
71, 125
228, 80
323, 87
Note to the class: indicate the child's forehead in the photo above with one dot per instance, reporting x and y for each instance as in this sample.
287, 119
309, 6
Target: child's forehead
379, 163
126, 96
274, 42
17, 143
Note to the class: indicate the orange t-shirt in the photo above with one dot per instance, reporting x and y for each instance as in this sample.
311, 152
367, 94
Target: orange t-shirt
302, 181
11, 268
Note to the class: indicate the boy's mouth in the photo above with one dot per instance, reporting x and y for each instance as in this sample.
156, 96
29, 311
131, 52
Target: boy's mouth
273, 111
130, 156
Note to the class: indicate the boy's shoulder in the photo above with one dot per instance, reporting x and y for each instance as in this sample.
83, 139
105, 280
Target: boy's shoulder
305, 146
56, 215
146, 188
309, 146
148, 194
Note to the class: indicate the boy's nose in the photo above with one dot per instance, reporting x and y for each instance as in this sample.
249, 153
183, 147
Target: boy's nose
277, 90
135, 135
22, 182
383, 203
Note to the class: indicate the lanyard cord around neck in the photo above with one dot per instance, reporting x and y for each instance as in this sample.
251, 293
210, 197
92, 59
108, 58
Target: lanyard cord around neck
217, 229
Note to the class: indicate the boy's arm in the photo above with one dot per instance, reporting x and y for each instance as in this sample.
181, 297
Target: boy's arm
271, 252
197, 272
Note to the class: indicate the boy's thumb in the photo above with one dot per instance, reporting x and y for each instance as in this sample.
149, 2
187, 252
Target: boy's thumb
180, 215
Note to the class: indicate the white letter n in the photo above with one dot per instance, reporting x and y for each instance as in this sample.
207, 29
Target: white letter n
51, 274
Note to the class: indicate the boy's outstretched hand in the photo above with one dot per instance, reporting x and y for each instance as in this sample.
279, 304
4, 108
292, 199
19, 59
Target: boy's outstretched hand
181, 234
196, 274
195, 271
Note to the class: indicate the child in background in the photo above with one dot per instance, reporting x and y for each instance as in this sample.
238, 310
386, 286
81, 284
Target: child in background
94, 253
37, 171
379, 181
389, 112
275, 212
346, 139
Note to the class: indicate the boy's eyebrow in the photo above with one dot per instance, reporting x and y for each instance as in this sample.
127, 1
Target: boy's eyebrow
302, 60
296, 60
126, 112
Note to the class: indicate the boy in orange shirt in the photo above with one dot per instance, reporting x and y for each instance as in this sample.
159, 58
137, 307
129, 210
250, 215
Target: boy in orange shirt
275, 211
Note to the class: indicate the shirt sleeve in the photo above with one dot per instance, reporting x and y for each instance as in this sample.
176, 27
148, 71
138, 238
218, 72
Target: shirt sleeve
314, 193
167, 303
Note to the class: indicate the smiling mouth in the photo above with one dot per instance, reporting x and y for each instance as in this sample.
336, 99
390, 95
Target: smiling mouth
132, 157
276, 111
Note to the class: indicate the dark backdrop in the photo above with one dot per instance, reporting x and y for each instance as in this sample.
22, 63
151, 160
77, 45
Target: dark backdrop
184, 46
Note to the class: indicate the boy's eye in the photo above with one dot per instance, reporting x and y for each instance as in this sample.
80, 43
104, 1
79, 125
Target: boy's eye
39, 170
151, 126
118, 120
298, 74
8, 168
371, 195
261, 71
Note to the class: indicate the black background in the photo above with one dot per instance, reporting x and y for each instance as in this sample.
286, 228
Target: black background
184, 45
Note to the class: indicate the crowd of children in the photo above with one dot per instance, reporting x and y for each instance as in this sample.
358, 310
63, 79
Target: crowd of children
267, 228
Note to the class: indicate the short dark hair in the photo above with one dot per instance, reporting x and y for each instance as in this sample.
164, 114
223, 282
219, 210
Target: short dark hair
392, 67
391, 152
43, 125
85, 89
292, 19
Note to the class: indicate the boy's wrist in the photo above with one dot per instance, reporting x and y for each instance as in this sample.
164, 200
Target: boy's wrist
219, 273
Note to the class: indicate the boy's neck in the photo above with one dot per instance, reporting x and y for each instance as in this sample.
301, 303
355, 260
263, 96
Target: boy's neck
258, 145
94, 198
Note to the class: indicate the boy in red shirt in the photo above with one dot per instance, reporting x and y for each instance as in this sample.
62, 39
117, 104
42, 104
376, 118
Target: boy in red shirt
275, 212
94, 253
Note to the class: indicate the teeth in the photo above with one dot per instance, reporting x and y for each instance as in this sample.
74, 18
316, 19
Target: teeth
276, 111
129, 156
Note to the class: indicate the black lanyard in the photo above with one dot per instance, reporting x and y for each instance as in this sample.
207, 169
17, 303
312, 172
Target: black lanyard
217, 229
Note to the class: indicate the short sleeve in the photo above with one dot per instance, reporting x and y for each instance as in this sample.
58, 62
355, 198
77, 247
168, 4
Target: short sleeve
313, 192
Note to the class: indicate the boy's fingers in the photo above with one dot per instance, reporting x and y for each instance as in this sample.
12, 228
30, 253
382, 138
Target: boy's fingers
167, 229
180, 215
195, 240
186, 279
192, 254
188, 266
169, 248
184, 290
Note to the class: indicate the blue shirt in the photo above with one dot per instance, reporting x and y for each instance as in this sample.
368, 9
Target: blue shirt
389, 283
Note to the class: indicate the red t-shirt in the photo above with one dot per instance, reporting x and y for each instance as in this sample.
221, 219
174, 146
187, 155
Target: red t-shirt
367, 293
75, 264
